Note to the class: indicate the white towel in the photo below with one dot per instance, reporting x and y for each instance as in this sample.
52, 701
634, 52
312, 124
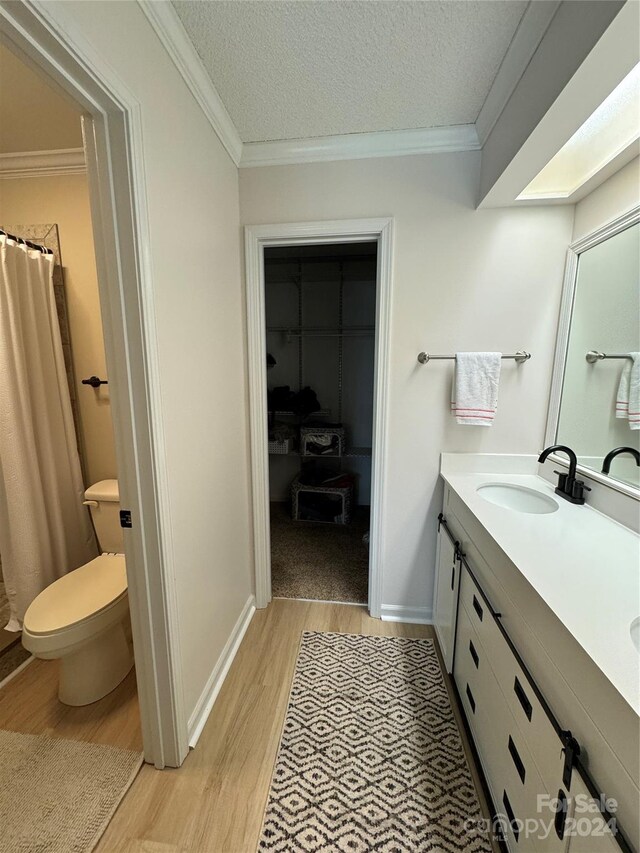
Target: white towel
628, 396
474, 397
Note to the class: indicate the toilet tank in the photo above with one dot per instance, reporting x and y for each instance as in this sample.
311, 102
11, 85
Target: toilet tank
103, 500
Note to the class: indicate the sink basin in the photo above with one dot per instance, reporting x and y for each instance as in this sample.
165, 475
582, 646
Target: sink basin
634, 630
518, 498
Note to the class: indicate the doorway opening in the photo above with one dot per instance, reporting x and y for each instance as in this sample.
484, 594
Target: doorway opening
320, 306
114, 157
341, 236
62, 548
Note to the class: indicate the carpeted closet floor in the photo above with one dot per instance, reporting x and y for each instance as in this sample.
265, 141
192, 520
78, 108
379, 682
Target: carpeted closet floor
324, 562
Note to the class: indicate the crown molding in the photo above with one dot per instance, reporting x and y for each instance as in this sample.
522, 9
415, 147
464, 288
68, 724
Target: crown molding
524, 44
169, 29
42, 164
358, 146
173, 36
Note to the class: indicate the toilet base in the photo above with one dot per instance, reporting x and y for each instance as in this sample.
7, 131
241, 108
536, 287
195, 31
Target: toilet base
96, 668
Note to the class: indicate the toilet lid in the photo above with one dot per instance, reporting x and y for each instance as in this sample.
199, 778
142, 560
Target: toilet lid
77, 596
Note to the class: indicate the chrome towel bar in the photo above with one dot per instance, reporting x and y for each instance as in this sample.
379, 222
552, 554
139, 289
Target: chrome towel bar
593, 355
521, 356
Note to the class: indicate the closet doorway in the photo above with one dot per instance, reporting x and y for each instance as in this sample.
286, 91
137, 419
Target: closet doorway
318, 322
320, 306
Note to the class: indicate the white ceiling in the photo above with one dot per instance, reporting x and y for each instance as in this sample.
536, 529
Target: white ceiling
308, 68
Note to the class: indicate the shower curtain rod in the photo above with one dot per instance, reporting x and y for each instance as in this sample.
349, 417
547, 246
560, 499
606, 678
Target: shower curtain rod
28, 243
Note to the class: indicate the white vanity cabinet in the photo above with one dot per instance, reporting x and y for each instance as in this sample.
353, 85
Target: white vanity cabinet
542, 656
446, 594
516, 734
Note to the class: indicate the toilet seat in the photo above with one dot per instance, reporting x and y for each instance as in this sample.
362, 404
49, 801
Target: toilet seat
77, 606
79, 595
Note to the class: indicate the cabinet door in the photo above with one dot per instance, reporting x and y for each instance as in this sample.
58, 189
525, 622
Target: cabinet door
446, 596
586, 829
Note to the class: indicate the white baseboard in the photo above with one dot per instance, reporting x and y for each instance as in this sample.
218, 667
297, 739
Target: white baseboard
400, 613
203, 708
16, 671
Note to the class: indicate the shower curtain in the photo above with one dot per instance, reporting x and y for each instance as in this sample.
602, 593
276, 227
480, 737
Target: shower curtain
45, 531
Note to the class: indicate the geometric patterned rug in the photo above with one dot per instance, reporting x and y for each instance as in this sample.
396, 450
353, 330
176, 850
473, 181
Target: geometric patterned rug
370, 757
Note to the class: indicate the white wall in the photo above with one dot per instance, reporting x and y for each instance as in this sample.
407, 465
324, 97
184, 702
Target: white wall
192, 194
613, 198
463, 280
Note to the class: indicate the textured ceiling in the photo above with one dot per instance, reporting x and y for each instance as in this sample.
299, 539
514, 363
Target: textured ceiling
33, 117
288, 70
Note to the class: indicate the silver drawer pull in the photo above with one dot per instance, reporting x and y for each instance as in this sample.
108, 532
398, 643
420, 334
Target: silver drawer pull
474, 654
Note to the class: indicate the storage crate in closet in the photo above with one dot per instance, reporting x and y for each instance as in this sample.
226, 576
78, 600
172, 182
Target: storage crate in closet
304, 495
281, 448
314, 436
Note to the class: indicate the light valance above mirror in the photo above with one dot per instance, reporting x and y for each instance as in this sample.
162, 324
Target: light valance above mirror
591, 410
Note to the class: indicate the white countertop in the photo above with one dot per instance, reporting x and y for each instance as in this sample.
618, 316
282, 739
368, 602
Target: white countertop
583, 565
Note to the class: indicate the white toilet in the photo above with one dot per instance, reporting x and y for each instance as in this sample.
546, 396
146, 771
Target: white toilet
83, 618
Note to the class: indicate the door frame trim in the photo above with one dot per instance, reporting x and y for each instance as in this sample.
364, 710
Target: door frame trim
257, 237
45, 36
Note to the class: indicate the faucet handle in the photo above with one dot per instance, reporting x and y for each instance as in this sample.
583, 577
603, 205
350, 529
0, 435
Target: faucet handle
578, 490
562, 479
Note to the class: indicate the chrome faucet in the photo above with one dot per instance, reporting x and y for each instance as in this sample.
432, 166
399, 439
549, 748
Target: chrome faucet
568, 486
611, 455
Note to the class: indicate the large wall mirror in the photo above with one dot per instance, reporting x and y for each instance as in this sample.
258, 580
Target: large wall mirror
593, 407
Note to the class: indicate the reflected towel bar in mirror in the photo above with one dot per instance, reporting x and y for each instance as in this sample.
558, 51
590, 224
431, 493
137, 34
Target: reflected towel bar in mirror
593, 355
521, 356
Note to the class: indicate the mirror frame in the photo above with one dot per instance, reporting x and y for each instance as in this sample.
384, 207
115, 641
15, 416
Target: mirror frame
621, 223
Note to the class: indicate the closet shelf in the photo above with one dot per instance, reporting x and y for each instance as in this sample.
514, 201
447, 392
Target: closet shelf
319, 413
350, 452
358, 451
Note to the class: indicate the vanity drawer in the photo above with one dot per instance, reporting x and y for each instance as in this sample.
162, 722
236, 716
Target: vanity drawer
527, 792
481, 614
467, 673
531, 719
510, 771
530, 716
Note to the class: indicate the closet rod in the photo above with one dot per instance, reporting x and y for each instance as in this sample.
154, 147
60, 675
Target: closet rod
520, 356
328, 334
354, 331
